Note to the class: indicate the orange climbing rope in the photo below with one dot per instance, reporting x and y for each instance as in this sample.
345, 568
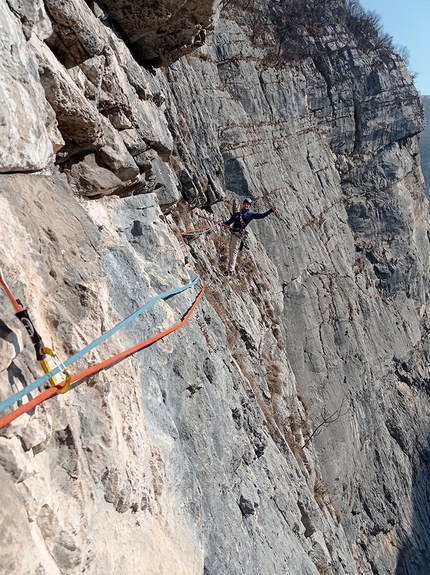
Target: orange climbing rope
16, 304
197, 232
23, 316
97, 367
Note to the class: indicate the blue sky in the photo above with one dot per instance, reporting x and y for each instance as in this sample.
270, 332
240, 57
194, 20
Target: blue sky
408, 22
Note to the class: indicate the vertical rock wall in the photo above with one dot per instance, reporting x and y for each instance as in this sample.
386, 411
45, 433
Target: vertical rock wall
284, 429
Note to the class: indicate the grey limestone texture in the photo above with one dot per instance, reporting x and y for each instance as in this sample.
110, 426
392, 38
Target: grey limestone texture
283, 430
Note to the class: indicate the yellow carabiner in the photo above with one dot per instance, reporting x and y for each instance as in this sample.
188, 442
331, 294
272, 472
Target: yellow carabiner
66, 386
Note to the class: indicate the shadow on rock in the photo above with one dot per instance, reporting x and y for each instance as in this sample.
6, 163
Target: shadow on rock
414, 556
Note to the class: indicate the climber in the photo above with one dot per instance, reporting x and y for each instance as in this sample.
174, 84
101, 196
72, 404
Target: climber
238, 234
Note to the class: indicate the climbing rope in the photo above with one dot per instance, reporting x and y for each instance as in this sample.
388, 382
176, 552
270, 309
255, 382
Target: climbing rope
16, 303
98, 367
197, 232
23, 316
41, 380
214, 224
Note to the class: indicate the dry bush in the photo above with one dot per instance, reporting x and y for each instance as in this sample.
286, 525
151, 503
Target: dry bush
183, 126
320, 491
264, 405
273, 60
366, 27
270, 312
323, 498
275, 424
323, 568
336, 512
175, 163
274, 370
221, 242
246, 272
296, 22
213, 298
291, 431
278, 335
296, 448
258, 31
181, 215
294, 424
232, 336
306, 423
294, 438
327, 419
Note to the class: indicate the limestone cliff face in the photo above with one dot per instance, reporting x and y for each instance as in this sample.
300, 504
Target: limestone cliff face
284, 429
424, 144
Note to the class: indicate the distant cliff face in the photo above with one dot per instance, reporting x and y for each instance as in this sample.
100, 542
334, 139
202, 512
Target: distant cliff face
329, 136
425, 144
284, 429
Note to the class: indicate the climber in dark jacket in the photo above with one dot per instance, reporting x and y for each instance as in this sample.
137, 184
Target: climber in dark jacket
238, 223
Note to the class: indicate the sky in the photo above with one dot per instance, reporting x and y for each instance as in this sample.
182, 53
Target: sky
408, 22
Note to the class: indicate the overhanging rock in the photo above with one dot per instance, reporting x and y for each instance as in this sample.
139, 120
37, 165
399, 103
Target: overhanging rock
161, 34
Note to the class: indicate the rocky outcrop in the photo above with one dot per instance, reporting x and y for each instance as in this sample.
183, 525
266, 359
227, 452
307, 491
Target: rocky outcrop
28, 129
333, 152
160, 33
284, 428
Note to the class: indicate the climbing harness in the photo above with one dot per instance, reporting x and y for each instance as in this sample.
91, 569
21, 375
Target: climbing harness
101, 365
41, 380
238, 231
41, 350
242, 224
